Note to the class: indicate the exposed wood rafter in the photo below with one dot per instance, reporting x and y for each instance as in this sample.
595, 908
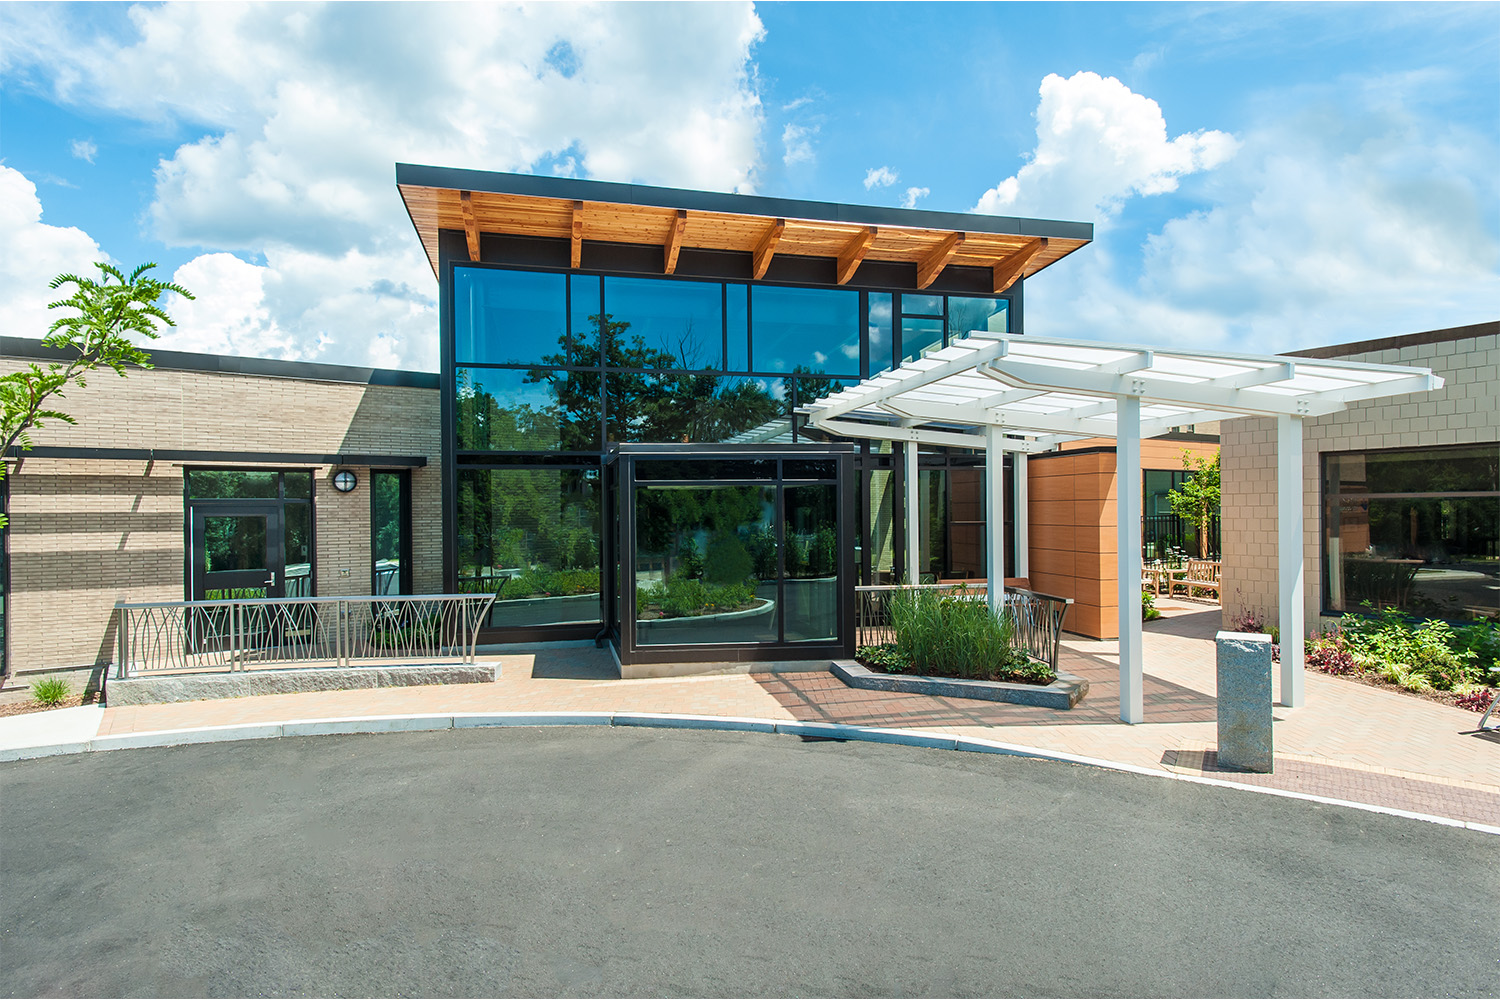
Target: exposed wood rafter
929, 267
1009, 269
766, 248
855, 252
674, 240
577, 234
471, 226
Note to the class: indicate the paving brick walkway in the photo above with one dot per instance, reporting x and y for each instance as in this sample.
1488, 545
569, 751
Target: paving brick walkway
1349, 742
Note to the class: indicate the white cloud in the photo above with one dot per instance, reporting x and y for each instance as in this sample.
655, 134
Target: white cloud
32, 253
1345, 216
84, 149
912, 195
303, 111
797, 139
880, 177
1099, 143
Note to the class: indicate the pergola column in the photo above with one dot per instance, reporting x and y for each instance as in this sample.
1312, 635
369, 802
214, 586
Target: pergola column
1128, 538
913, 515
1022, 516
1289, 556
994, 536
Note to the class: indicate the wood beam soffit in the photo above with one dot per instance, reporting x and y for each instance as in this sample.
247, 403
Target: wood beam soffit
766, 248
674, 240
852, 254
929, 267
1008, 270
471, 225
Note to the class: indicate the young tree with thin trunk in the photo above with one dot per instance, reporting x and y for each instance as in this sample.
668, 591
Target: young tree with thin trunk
1196, 500
105, 315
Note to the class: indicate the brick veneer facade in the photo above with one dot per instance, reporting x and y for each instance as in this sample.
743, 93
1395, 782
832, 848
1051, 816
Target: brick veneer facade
87, 531
1465, 411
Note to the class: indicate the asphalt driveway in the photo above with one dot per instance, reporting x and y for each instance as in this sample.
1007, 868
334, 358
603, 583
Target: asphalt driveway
654, 862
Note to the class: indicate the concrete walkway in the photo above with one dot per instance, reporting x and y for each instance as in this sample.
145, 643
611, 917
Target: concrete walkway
1349, 742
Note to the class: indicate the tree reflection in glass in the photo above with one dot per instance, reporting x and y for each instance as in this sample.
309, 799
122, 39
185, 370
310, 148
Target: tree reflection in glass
706, 564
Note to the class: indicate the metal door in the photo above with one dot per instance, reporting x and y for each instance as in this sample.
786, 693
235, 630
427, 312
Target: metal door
238, 551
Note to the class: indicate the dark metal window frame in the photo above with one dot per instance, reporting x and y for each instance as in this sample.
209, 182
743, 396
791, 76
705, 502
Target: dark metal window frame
623, 458
403, 516
1327, 500
189, 502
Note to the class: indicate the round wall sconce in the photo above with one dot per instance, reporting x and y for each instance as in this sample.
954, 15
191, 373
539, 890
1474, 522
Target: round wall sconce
344, 481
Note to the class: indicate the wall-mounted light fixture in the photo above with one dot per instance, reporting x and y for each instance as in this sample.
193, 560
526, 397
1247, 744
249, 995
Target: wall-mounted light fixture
344, 481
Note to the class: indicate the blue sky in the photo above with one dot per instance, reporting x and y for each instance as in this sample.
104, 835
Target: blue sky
1261, 177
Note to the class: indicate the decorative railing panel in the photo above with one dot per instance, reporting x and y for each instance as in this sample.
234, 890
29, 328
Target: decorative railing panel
1037, 618
234, 635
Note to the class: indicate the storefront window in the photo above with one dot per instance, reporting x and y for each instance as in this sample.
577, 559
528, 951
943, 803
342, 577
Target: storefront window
812, 330
532, 537
1413, 530
665, 324
509, 409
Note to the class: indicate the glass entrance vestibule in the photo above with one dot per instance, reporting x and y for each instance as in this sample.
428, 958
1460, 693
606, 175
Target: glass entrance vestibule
729, 553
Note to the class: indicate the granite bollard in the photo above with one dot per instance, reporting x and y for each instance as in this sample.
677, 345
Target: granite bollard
1244, 698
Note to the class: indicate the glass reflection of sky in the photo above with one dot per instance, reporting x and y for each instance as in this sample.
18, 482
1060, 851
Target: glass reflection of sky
507, 317
805, 327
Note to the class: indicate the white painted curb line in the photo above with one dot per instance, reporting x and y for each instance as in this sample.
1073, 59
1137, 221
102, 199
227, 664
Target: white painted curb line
817, 730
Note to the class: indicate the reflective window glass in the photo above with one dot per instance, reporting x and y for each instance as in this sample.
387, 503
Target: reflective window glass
809, 468
232, 484
665, 324
527, 410
387, 530
812, 563
804, 329
706, 565
1441, 470
298, 485
737, 324
297, 520
921, 305
532, 537
667, 469
509, 317
583, 348
234, 542
882, 347
677, 407
919, 337
968, 315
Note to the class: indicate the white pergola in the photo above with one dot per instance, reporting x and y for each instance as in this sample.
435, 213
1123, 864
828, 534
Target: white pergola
1024, 394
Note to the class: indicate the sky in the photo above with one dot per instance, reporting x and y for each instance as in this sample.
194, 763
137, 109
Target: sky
1260, 177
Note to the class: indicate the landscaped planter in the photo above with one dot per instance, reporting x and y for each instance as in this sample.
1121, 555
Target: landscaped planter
1063, 693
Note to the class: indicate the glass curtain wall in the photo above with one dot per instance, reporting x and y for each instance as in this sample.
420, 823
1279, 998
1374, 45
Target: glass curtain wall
550, 369
1413, 530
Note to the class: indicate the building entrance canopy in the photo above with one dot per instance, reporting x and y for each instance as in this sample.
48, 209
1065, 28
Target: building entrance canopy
1025, 394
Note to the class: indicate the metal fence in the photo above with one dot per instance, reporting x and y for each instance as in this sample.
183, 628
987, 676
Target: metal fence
1037, 618
297, 632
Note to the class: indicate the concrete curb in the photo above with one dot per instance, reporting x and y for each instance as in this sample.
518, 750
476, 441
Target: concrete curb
1062, 694
815, 730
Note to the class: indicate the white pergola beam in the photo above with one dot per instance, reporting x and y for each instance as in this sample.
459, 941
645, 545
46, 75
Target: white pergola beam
915, 374
913, 511
1128, 539
1022, 518
1289, 559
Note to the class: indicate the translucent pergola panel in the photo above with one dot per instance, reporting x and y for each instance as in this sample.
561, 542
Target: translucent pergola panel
1006, 392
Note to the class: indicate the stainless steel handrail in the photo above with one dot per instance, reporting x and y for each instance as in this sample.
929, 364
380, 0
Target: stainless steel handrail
253, 633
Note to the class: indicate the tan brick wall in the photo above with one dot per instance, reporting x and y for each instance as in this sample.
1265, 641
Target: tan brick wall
1465, 411
85, 533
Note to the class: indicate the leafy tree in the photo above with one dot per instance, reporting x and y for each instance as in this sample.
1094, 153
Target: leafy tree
106, 314
1196, 500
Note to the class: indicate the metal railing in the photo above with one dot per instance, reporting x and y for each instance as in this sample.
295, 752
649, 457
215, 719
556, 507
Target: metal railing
1162, 534
1037, 618
187, 636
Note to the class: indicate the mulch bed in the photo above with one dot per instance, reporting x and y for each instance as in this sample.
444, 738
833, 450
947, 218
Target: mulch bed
27, 707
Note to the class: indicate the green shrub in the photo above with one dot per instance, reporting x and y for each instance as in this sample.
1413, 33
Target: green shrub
680, 597
960, 637
1415, 655
51, 691
1148, 607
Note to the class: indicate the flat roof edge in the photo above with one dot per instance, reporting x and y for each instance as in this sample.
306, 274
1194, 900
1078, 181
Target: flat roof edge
1488, 329
228, 364
574, 189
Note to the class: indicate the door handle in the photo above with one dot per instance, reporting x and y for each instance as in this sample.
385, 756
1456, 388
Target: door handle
272, 582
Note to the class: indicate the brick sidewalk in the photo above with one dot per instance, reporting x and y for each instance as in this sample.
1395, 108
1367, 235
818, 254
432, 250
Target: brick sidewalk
1349, 741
